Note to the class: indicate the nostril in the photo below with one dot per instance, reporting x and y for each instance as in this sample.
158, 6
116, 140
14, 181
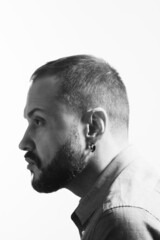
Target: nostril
25, 146
25, 149
28, 145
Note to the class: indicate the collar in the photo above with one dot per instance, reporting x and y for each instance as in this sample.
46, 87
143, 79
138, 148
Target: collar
88, 205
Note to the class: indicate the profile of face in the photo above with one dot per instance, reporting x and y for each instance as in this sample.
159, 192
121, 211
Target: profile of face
52, 141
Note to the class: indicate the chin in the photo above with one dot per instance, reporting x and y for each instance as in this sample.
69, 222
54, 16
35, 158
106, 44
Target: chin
42, 187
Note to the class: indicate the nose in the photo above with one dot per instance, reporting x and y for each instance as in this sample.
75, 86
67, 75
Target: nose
26, 144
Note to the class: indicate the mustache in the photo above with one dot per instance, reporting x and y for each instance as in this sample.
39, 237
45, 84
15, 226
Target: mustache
34, 157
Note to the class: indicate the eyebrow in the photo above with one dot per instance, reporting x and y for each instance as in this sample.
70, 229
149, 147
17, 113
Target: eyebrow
32, 112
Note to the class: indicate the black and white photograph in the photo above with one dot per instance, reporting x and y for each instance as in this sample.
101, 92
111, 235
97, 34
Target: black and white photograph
80, 119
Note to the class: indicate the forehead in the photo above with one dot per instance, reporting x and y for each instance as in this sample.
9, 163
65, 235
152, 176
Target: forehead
43, 94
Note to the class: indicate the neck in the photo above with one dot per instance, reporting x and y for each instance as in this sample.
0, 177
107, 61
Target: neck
96, 163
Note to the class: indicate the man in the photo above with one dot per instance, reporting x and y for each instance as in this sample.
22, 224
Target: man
77, 138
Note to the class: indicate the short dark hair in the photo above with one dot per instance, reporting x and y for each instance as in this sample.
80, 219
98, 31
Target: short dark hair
89, 82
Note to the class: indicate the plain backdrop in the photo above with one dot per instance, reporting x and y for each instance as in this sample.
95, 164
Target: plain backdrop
126, 33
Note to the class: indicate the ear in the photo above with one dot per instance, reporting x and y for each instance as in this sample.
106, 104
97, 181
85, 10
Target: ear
95, 120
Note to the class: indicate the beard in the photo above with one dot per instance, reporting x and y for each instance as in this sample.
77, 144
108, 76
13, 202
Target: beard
66, 165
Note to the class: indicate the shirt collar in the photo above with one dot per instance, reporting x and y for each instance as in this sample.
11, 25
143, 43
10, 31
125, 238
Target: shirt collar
95, 197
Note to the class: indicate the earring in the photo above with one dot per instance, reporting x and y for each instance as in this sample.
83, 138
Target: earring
92, 147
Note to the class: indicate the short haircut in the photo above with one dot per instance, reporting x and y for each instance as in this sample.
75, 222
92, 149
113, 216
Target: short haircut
89, 82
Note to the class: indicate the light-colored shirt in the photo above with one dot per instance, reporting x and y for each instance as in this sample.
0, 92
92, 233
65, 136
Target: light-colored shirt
124, 203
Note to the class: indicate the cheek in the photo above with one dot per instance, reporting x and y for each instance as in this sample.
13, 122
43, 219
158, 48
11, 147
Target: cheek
46, 147
49, 139
49, 143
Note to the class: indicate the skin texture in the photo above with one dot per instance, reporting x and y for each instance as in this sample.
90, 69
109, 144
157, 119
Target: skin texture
57, 141
52, 141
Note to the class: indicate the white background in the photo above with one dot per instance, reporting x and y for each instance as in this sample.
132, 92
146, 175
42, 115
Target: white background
126, 34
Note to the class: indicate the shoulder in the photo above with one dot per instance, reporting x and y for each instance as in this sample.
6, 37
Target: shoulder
128, 223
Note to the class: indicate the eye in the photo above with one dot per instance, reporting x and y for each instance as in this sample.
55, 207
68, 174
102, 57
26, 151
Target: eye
38, 121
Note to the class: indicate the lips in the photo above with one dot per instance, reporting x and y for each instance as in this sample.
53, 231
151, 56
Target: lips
29, 160
32, 159
31, 164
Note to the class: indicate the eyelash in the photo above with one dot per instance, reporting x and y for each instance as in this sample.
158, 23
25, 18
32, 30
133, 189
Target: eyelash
38, 121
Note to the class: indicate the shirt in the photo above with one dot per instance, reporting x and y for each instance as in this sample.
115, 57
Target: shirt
123, 204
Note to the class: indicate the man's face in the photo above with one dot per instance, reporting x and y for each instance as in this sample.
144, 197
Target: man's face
52, 139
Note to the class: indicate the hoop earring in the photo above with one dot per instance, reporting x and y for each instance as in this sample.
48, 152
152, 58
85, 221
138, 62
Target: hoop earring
92, 147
